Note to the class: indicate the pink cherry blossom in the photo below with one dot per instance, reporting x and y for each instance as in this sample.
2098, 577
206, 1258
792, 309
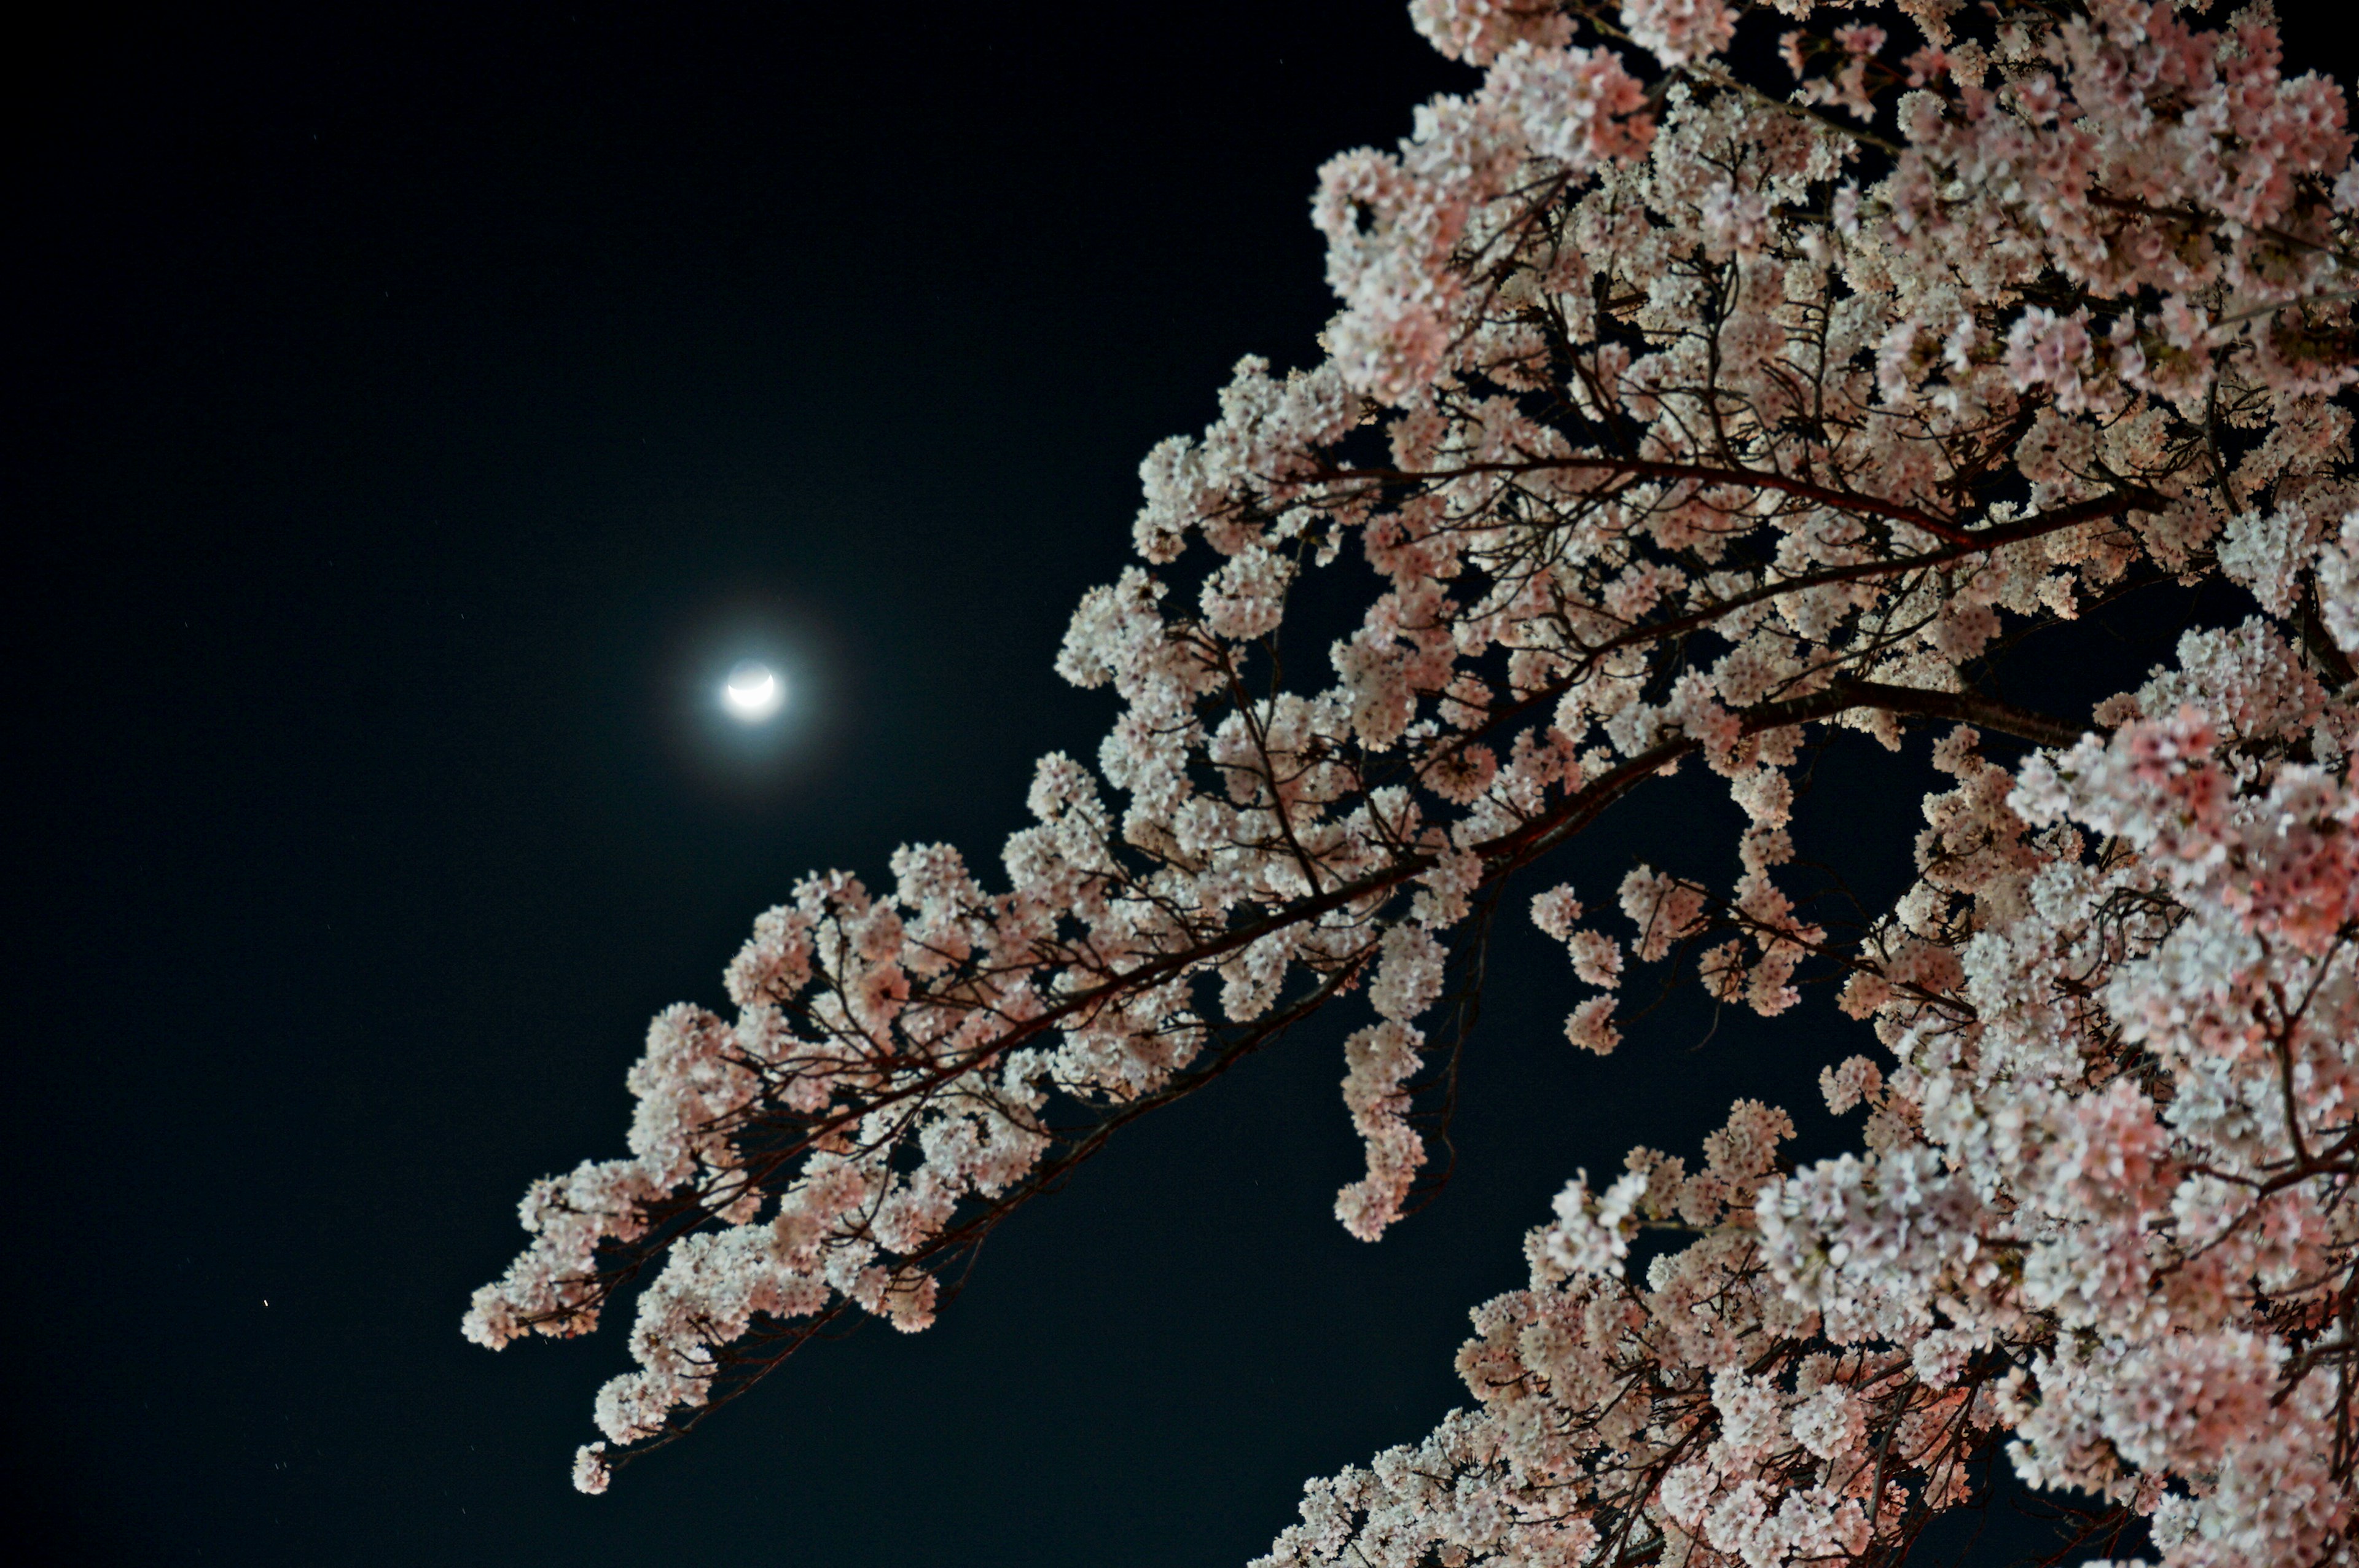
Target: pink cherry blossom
1670, 416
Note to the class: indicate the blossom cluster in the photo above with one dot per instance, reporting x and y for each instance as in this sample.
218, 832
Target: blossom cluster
2099, 1208
1678, 417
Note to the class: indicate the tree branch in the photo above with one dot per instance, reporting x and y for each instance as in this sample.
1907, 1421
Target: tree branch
1703, 473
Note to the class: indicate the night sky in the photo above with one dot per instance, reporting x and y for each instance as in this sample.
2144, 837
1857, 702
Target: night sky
411, 413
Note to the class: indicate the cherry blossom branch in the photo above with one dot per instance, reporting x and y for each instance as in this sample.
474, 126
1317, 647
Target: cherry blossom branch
1704, 473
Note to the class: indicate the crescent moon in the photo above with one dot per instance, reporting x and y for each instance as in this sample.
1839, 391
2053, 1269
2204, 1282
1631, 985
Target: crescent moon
751, 692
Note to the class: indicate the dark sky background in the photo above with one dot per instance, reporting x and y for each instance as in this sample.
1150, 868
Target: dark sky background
410, 411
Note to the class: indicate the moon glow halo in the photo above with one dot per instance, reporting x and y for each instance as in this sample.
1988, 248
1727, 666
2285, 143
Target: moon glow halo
752, 692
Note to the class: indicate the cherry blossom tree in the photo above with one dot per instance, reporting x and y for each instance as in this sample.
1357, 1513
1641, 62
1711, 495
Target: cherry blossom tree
1707, 378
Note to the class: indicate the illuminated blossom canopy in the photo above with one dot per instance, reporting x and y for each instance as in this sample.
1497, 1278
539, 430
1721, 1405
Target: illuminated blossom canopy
1701, 381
